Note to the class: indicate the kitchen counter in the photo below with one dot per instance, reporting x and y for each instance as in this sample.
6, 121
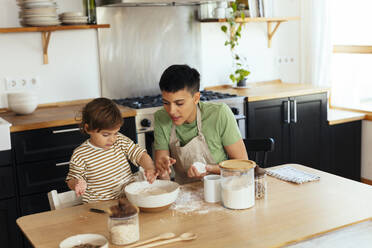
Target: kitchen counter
52, 115
288, 214
336, 116
269, 90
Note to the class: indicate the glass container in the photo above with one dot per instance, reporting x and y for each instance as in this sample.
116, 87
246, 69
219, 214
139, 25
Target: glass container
261, 186
124, 230
90, 10
237, 183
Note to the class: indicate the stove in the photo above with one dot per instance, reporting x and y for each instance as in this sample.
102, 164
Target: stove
156, 101
146, 106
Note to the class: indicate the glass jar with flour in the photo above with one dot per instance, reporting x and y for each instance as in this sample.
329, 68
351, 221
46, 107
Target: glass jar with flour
237, 183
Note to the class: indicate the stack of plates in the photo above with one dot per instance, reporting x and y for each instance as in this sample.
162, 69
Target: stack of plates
73, 18
39, 13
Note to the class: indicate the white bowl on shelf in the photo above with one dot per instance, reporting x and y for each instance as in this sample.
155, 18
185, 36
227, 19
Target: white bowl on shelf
22, 102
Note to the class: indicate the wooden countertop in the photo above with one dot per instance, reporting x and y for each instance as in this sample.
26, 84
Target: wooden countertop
52, 115
289, 213
336, 116
269, 90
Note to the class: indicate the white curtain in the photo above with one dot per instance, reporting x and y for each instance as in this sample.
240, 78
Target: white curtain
316, 42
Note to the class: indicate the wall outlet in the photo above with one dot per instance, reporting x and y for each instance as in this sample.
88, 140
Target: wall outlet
11, 83
285, 60
19, 83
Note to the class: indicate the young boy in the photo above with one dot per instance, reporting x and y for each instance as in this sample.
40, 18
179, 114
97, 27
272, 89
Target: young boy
99, 169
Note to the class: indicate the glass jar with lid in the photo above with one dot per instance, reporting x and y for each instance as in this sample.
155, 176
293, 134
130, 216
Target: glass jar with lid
237, 183
260, 183
124, 230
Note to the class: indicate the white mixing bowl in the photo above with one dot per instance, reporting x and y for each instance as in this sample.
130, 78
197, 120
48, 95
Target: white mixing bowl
153, 197
80, 239
22, 102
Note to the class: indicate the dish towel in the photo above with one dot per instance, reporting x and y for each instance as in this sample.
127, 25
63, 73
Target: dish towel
288, 173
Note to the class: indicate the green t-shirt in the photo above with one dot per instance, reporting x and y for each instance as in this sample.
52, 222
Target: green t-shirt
219, 128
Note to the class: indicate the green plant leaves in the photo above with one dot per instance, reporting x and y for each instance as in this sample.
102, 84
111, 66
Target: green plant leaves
233, 31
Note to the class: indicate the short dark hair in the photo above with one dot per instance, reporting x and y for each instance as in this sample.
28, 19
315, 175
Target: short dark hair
100, 113
179, 77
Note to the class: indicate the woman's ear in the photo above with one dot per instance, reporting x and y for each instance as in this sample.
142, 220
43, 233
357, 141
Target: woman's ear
196, 97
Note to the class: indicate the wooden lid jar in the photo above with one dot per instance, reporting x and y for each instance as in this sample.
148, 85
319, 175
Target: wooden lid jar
237, 183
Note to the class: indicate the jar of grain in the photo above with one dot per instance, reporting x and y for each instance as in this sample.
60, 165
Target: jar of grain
124, 230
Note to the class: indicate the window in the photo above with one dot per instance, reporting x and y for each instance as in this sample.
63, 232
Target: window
352, 54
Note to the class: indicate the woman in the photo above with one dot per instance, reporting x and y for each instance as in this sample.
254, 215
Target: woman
189, 131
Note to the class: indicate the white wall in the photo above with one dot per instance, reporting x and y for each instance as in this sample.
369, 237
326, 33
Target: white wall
73, 69
366, 150
263, 61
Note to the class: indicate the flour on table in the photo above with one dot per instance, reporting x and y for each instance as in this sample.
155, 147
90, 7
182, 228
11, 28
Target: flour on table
191, 200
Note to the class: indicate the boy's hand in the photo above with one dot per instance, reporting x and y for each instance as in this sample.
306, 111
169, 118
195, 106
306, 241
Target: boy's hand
164, 164
151, 175
80, 187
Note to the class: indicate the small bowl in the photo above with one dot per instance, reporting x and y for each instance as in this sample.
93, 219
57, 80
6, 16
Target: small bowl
22, 102
154, 197
80, 239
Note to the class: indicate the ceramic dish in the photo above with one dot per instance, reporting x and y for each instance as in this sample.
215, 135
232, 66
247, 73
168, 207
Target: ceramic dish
72, 14
80, 239
42, 24
153, 197
36, 1
40, 11
38, 5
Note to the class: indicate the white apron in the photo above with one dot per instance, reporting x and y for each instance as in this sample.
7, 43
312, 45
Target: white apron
195, 151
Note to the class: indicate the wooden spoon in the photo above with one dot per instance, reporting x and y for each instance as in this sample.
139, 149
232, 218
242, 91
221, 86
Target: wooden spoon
159, 237
182, 237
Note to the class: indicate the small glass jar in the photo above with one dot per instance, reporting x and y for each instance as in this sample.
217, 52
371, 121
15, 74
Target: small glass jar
237, 183
261, 186
124, 230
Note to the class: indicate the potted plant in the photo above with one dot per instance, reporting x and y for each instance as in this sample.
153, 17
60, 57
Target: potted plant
233, 31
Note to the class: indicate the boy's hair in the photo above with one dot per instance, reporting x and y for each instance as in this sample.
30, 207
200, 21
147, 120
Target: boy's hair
179, 77
100, 113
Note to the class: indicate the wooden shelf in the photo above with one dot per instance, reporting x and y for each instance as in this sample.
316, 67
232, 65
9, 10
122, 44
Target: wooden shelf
270, 31
46, 33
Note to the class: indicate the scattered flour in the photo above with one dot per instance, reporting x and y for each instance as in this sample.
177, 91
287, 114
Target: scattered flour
191, 200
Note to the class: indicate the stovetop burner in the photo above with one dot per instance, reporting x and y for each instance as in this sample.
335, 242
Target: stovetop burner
156, 101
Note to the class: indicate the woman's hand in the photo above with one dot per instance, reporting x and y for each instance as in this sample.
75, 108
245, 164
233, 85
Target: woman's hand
151, 175
193, 172
80, 187
164, 163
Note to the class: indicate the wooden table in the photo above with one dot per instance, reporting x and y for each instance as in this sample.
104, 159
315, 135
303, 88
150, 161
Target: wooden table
290, 213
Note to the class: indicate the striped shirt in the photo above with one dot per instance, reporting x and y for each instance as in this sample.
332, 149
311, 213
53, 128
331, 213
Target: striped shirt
105, 171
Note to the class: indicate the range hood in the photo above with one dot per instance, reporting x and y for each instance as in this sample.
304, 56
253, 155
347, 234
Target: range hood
120, 3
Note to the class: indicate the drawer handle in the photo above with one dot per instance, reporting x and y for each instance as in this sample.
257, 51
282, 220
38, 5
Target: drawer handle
63, 163
66, 130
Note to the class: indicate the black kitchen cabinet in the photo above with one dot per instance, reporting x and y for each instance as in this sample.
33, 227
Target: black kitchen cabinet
297, 124
345, 149
9, 233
